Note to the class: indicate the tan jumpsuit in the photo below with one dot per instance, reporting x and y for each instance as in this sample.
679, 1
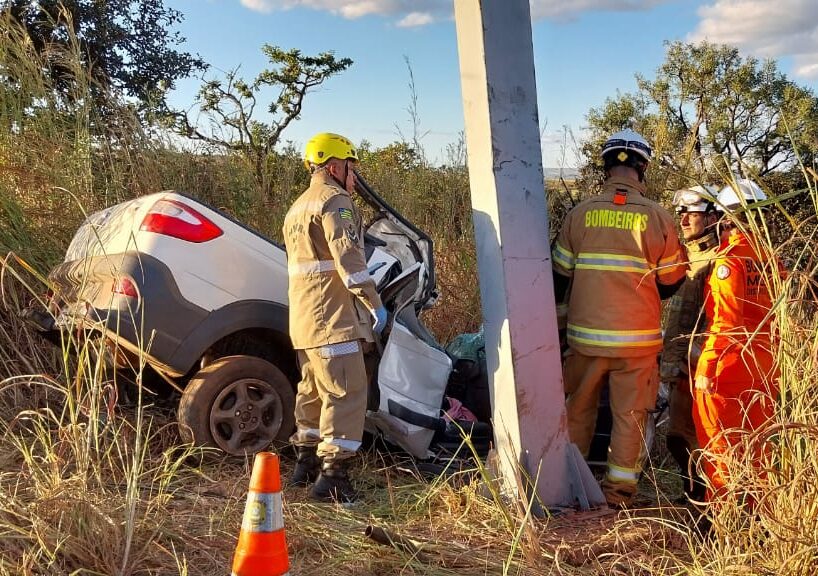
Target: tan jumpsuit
616, 247
331, 299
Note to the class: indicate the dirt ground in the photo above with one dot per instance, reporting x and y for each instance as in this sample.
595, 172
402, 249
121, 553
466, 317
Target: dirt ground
449, 532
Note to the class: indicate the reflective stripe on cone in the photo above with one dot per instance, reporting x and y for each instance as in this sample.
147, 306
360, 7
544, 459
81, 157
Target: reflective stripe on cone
262, 546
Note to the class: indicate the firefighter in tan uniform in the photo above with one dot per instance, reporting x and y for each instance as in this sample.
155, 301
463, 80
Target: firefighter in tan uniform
333, 303
619, 255
686, 326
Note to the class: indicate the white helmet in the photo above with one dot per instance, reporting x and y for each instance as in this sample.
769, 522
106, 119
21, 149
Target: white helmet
627, 140
740, 193
695, 199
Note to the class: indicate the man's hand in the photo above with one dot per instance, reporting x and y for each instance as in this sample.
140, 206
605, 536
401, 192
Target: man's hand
380, 319
704, 384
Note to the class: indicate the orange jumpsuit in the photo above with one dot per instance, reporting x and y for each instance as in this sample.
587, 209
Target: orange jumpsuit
737, 355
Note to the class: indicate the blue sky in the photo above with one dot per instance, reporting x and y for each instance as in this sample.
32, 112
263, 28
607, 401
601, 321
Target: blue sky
585, 51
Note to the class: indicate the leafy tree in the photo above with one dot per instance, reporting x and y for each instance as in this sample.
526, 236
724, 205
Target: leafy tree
624, 110
232, 104
129, 47
709, 111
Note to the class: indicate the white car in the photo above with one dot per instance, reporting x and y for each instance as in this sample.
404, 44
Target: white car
203, 300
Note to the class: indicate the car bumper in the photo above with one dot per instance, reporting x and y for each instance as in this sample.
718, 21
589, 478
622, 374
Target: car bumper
151, 324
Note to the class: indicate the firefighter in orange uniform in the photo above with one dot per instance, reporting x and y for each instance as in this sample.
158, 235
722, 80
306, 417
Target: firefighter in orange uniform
333, 303
617, 256
736, 375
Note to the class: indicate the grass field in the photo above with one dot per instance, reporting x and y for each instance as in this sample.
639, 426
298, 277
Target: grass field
92, 486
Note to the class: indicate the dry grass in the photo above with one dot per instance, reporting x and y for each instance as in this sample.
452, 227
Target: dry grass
91, 487
88, 486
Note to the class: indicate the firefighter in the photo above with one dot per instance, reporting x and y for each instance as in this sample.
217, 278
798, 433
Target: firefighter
616, 256
736, 376
697, 218
333, 303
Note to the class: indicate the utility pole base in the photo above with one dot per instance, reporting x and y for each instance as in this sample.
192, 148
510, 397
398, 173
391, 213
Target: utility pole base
584, 487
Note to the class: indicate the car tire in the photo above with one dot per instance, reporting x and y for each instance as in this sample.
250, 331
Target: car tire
238, 404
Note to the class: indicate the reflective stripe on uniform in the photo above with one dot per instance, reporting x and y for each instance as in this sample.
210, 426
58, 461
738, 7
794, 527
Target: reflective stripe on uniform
313, 267
613, 262
306, 434
343, 443
357, 278
342, 349
595, 337
563, 257
669, 260
668, 265
620, 474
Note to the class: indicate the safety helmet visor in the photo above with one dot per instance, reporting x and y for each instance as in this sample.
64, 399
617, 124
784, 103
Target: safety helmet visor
638, 145
691, 201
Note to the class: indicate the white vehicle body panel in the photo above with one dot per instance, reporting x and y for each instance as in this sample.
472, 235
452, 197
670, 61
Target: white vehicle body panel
414, 375
196, 292
238, 265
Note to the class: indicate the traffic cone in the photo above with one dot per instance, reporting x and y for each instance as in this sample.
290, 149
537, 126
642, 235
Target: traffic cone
262, 548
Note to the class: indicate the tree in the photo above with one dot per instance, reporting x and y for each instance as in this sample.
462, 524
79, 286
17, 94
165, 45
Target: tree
231, 104
622, 111
710, 112
128, 46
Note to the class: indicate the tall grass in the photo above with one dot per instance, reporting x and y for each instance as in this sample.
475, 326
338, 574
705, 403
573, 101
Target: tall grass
765, 520
88, 486
84, 485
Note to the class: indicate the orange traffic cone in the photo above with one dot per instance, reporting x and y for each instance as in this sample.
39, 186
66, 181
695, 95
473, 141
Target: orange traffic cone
262, 549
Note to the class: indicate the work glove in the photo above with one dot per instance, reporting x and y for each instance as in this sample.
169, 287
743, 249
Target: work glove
380, 319
705, 384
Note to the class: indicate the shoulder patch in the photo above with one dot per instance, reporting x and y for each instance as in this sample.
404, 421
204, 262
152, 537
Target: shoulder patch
345, 213
722, 272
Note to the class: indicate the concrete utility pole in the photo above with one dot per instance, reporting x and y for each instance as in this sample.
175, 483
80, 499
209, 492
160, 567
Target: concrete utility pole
513, 253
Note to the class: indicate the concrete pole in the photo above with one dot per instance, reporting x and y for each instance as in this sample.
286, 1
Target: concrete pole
513, 253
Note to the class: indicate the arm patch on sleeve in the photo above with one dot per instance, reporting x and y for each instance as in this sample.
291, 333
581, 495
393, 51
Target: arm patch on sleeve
722, 272
345, 213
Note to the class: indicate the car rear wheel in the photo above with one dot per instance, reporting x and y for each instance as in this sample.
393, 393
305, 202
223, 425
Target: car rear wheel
239, 404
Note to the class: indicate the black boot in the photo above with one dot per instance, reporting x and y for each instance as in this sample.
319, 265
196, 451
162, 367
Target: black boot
691, 485
307, 467
333, 484
698, 493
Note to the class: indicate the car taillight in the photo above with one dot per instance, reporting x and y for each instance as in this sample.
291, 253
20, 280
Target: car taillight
125, 287
173, 218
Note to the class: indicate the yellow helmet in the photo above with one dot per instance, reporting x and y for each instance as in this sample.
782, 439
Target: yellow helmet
326, 145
